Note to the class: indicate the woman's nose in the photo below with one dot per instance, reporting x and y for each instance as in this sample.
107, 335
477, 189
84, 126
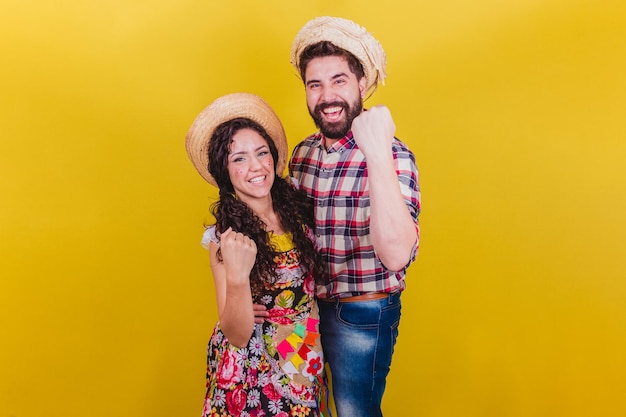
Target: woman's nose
255, 164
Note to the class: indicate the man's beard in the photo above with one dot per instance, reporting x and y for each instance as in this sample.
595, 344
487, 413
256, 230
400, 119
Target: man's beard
339, 129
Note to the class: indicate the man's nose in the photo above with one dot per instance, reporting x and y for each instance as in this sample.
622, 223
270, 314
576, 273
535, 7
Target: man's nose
328, 94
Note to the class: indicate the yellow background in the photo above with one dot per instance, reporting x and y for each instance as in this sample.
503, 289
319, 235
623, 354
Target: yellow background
515, 110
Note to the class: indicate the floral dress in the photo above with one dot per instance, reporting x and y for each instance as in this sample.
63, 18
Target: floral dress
280, 372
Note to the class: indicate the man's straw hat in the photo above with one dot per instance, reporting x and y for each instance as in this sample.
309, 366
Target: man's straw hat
347, 35
226, 108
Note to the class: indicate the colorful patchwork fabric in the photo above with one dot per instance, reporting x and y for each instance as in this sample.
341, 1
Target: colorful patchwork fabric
301, 353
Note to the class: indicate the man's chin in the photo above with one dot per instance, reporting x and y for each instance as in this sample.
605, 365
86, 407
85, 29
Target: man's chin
334, 132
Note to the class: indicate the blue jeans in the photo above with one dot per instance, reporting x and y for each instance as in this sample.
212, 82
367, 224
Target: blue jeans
358, 340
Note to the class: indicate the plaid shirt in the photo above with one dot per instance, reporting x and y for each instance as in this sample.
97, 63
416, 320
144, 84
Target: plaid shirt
337, 180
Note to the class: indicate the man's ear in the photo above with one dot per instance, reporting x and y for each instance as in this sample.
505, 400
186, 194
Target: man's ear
363, 86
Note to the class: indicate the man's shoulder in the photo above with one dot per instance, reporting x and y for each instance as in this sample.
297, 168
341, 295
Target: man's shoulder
303, 156
400, 146
309, 141
306, 145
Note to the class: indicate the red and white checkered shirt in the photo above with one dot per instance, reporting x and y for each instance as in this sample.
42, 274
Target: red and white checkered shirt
337, 180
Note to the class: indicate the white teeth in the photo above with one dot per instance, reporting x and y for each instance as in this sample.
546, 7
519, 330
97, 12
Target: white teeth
257, 179
332, 110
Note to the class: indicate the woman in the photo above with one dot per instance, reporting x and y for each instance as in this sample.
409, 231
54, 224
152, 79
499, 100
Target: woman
262, 252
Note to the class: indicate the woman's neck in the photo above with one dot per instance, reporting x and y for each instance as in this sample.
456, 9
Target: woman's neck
264, 210
272, 222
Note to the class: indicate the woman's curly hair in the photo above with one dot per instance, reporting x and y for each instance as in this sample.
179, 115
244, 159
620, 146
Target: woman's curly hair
293, 207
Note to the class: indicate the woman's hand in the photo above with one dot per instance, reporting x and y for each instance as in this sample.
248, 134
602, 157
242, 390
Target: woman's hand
238, 255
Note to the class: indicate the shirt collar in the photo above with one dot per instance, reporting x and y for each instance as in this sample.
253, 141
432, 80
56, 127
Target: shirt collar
347, 142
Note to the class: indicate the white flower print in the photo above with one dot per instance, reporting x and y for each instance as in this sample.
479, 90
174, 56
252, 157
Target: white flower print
256, 345
254, 398
276, 406
254, 362
314, 365
264, 379
266, 299
242, 356
270, 331
298, 281
219, 397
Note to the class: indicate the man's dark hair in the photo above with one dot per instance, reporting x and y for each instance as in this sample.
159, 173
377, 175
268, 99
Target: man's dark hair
326, 48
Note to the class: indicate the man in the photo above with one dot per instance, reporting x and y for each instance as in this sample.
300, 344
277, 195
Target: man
367, 200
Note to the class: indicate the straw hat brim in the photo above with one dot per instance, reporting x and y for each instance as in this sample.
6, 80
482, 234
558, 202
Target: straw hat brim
226, 108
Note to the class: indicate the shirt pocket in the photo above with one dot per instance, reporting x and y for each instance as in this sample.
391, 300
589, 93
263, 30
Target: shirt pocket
350, 215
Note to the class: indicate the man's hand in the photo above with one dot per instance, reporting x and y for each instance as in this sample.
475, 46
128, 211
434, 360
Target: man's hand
260, 313
373, 131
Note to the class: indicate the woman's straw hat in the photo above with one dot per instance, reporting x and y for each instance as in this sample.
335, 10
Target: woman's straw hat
226, 108
347, 35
